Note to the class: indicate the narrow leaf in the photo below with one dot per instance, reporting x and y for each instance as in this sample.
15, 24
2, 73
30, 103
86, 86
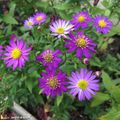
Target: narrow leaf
99, 99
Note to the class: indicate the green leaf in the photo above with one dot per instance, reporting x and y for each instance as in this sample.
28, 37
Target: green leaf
115, 91
96, 62
114, 114
99, 99
59, 100
12, 8
96, 10
42, 4
9, 19
104, 46
107, 81
64, 6
107, 12
64, 15
105, 3
29, 84
115, 30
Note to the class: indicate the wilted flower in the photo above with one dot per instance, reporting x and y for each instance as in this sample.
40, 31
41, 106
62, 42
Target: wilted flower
83, 84
39, 18
81, 43
29, 23
102, 24
50, 58
81, 19
53, 83
16, 53
61, 28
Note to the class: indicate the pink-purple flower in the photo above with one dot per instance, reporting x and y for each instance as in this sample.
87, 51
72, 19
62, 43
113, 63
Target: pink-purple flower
29, 23
81, 43
16, 53
81, 19
61, 28
39, 18
83, 84
49, 58
102, 24
52, 82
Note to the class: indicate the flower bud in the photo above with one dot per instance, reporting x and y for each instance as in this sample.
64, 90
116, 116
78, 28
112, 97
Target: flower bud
85, 60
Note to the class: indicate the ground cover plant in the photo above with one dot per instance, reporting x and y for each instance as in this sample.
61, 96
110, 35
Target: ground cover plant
59, 59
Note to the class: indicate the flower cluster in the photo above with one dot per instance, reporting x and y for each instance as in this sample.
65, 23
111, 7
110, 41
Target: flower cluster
36, 19
101, 23
80, 42
53, 81
82, 84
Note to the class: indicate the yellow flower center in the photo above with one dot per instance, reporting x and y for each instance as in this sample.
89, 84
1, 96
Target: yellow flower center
60, 30
16, 53
53, 82
81, 42
102, 23
81, 18
30, 23
39, 18
48, 57
82, 84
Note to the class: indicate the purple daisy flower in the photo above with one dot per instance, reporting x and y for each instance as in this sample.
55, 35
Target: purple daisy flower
81, 19
84, 84
102, 24
16, 53
50, 58
53, 83
39, 18
61, 28
1, 51
29, 23
82, 44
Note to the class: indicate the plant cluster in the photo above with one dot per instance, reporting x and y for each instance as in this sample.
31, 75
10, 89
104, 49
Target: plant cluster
55, 58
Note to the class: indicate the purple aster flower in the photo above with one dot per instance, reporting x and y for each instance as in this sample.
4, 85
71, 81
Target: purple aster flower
16, 53
61, 28
1, 51
81, 43
102, 24
84, 84
53, 83
81, 19
39, 18
29, 23
50, 58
